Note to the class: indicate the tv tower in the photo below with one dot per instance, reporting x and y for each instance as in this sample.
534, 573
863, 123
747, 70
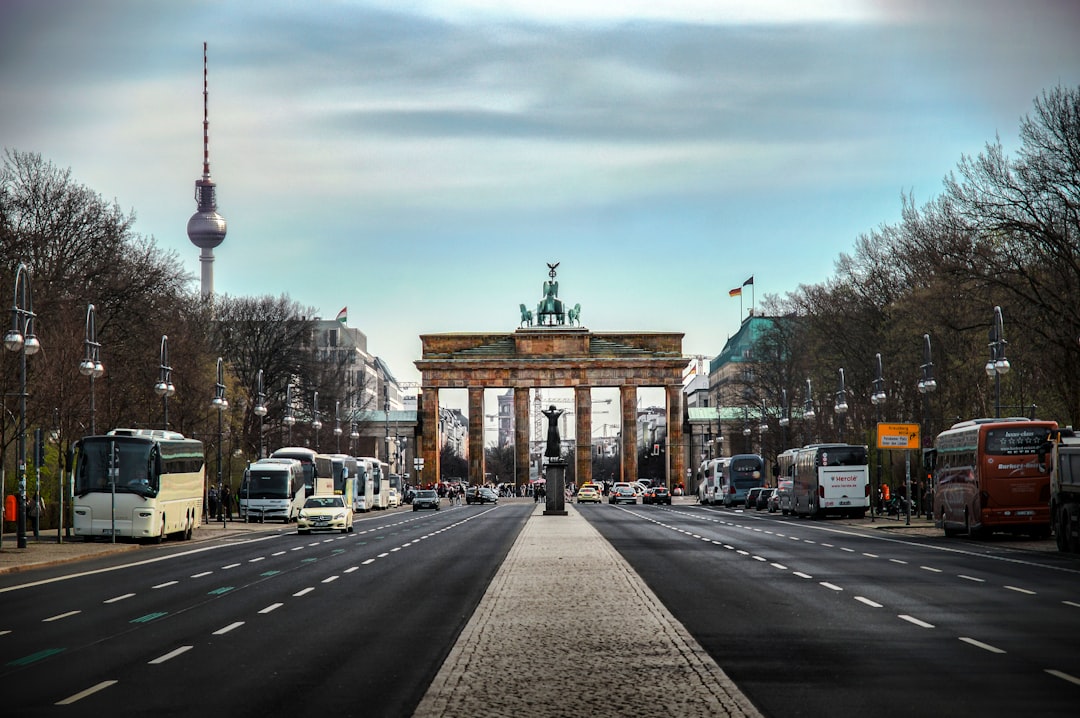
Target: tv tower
206, 228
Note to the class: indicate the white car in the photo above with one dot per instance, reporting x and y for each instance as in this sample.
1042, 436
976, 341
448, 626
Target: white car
325, 513
394, 498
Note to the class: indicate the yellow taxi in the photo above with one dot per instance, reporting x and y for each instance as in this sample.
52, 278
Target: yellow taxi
325, 513
587, 493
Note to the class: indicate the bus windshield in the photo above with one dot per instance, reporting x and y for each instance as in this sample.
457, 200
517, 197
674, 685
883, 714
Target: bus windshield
842, 456
132, 466
265, 484
745, 473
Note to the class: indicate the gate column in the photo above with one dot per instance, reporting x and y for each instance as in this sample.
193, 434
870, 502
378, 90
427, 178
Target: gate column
521, 436
476, 435
429, 440
628, 448
676, 461
583, 433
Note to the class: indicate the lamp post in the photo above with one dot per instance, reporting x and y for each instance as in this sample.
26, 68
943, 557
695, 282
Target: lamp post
288, 420
927, 385
22, 339
260, 408
337, 424
998, 364
354, 435
763, 427
315, 423
877, 398
91, 365
746, 430
808, 409
785, 419
841, 405
221, 404
164, 388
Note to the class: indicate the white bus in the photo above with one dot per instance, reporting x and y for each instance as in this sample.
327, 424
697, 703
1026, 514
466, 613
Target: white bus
138, 483
380, 482
742, 473
364, 500
306, 457
831, 478
341, 470
272, 489
785, 470
712, 474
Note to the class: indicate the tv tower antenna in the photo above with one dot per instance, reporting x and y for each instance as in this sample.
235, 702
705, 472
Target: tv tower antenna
206, 228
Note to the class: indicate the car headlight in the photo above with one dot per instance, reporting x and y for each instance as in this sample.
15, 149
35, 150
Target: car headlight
339, 517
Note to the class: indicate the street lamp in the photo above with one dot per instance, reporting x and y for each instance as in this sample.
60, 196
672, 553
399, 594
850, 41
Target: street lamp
808, 404
22, 339
164, 388
998, 364
337, 424
878, 398
315, 423
289, 419
260, 407
927, 385
221, 404
762, 428
354, 435
91, 365
841, 405
746, 429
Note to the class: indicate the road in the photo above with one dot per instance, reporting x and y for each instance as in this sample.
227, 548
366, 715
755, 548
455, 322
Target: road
820, 618
276, 624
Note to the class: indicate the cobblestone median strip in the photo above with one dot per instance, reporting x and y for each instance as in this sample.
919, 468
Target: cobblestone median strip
543, 641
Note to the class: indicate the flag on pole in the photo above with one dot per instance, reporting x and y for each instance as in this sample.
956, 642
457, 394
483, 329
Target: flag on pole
341, 316
736, 292
749, 281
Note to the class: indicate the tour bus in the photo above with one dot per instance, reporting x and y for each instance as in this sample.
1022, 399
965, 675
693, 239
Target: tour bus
712, 472
743, 472
138, 483
987, 477
364, 499
785, 468
339, 471
830, 478
379, 474
306, 457
272, 489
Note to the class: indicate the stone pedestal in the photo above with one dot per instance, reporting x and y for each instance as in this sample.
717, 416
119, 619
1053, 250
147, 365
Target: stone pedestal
555, 489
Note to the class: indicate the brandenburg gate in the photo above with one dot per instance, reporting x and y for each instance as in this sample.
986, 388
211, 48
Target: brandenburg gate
553, 351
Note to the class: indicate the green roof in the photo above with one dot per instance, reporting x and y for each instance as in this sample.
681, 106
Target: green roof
739, 348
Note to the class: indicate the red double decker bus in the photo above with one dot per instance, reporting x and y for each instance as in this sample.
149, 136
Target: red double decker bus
987, 477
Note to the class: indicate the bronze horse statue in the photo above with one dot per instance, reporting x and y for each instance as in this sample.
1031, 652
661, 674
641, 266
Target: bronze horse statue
526, 316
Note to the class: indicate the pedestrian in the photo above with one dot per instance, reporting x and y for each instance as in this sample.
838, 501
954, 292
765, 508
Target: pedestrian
226, 502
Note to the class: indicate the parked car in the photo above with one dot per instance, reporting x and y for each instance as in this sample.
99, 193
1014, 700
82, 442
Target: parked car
657, 495
762, 502
426, 499
394, 498
751, 497
622, 495
588, 493
774, 501
325, 513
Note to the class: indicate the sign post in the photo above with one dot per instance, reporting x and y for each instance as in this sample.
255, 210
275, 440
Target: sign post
901, 436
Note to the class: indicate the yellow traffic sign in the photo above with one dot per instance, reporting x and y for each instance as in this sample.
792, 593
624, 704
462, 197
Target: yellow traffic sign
898, 436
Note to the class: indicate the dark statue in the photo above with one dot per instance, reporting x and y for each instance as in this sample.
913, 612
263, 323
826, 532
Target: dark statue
554, 443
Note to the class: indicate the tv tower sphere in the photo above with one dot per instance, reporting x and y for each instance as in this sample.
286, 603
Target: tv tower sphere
206, 228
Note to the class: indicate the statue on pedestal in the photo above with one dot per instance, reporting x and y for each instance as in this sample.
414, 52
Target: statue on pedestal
554, 442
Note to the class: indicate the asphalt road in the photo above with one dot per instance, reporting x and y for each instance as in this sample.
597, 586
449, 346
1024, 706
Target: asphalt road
820, 618
277, 624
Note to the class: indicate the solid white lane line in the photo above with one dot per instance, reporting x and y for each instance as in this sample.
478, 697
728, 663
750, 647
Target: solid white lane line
917, 622
230, 627
83, 694
980, 644
170, 655
118, 598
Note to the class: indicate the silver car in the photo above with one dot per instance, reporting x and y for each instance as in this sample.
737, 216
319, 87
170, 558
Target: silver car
426, 499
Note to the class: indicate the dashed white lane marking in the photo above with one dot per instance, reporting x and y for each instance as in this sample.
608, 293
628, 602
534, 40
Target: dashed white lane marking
231, 565
367, 561
88, 692
170, 655
1074, 604
972, 578
60, 616
232, 626
980, 644
868, 602
800, 574
831, 586
917, 622
330, 579
118, 599
303, 591
1021, 590
1064, 676
166, 584
931, 569
200, 575
272, 607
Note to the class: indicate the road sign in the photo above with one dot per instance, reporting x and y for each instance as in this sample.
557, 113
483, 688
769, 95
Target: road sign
898, 436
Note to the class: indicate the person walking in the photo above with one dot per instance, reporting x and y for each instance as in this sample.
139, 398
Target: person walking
226, 503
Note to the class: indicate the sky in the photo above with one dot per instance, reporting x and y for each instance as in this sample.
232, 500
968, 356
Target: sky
422, 162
